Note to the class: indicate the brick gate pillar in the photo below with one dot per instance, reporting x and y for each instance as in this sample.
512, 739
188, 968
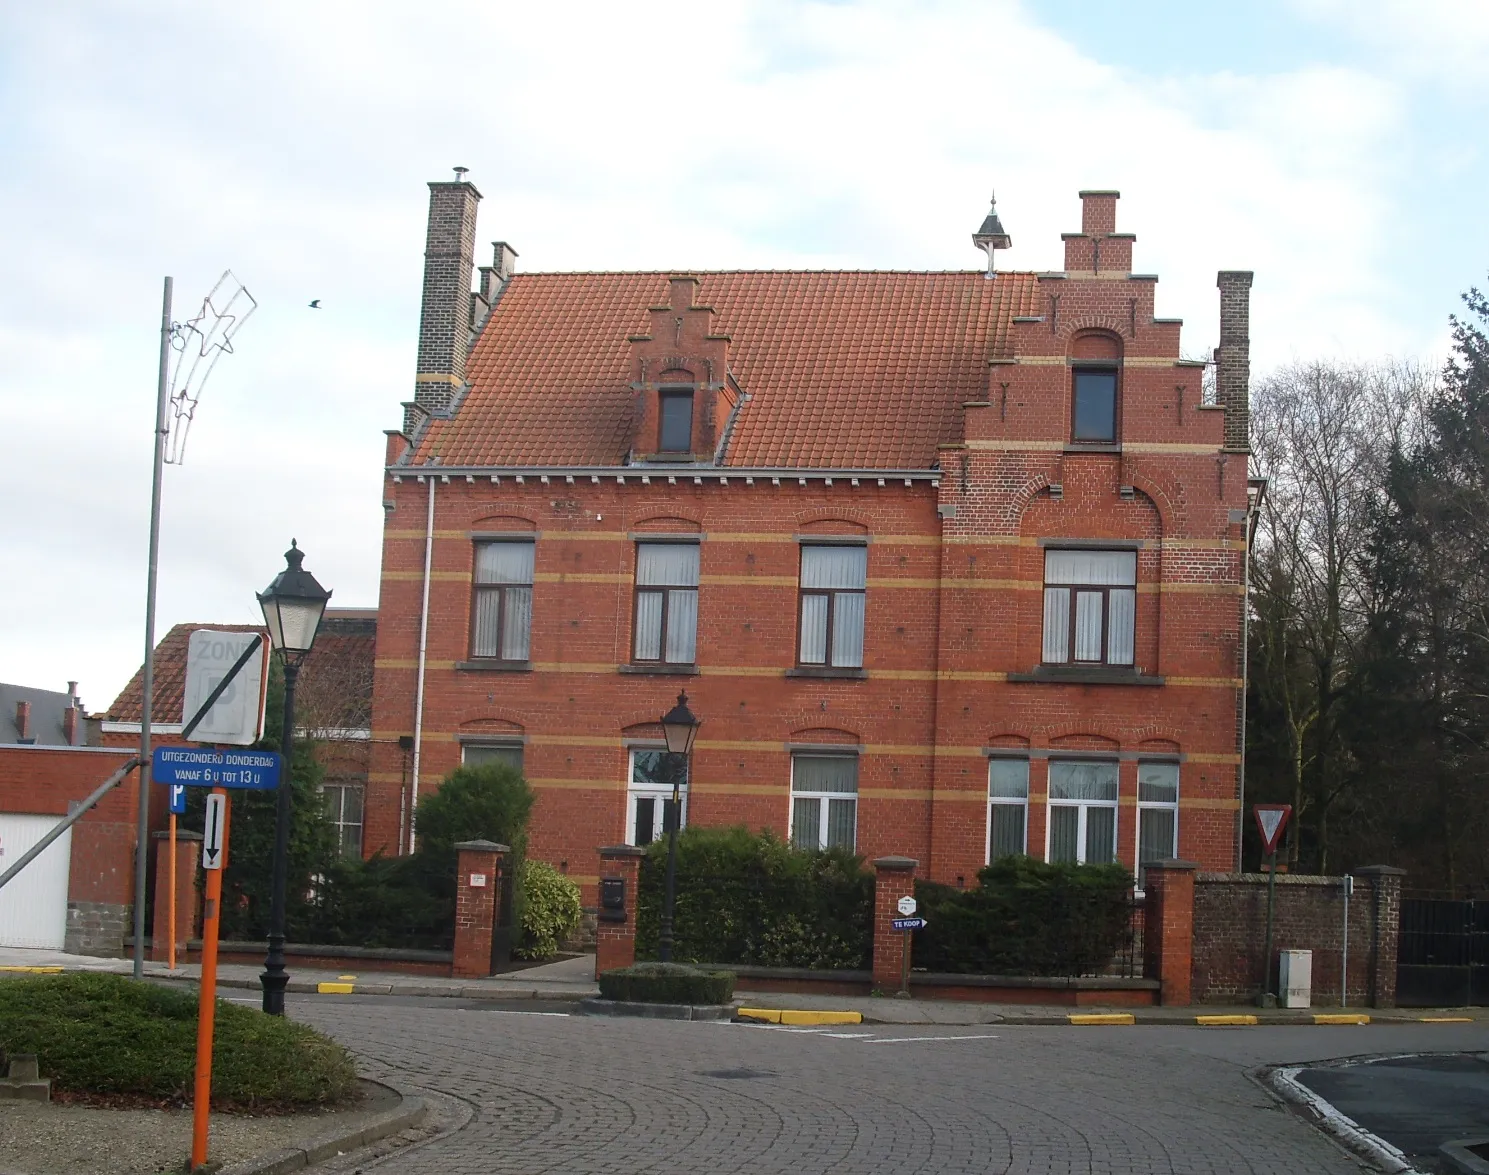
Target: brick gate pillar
615, 928
1385, 930
188, 860
1168, 929
894, 878
477, 877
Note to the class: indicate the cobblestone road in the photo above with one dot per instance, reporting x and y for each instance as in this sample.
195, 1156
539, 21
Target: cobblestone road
590, 1096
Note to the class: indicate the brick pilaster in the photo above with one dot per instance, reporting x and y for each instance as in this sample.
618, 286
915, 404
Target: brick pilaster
1168, 929
477, 877
1385, 930
615, 931
894, 878
188, 860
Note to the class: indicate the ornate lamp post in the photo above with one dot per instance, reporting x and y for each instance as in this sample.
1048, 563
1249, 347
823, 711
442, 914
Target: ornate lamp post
293, 606
679, 727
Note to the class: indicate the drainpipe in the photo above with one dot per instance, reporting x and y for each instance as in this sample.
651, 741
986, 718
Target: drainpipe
413, 802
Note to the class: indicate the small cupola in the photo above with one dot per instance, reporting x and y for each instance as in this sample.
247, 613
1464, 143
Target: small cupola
991, 237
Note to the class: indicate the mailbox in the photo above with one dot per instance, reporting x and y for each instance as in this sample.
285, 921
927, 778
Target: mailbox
612, 899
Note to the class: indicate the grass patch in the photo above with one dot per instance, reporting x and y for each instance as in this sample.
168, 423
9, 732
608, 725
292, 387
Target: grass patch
109, 1035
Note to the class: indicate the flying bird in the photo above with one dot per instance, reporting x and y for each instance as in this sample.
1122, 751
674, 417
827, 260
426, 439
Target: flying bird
315, 304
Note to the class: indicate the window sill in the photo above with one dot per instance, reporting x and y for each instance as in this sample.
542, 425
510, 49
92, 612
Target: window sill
484, 665
659, 669
1087, 676
1092, 447
828, 671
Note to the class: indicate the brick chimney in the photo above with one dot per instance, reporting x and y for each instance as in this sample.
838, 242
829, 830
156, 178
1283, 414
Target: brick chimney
1233, 358
1098, 247
446, 315
23, 721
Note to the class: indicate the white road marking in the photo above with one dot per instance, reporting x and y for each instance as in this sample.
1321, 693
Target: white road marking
922, 1039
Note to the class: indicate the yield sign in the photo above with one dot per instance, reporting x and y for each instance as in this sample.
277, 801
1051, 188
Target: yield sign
1271, 819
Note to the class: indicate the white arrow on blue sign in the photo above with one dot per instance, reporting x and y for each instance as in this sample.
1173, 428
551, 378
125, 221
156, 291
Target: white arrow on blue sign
204, 767
909, 923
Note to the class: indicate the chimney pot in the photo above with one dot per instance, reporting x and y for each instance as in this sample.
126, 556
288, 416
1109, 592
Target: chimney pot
1233, 357
23, 720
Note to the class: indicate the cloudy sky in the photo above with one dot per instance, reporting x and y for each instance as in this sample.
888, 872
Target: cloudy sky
1336, 147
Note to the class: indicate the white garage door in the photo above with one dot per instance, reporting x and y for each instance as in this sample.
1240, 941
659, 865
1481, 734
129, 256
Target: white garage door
33, 904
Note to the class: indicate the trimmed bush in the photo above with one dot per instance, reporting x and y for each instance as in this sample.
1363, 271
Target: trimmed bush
748, 899
96, 1033
1026, 917
550, 911
667, 983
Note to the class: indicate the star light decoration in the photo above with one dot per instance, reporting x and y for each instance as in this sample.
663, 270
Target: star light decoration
199, 343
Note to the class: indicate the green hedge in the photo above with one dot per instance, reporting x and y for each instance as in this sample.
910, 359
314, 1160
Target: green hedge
551, 910
667, 983
1026, 917
747, 899
107, 1034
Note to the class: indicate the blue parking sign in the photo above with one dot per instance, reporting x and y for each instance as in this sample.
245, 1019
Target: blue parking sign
178, 799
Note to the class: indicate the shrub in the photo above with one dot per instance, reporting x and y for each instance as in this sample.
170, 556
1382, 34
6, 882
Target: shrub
107, 1034
550, 911
1026, 917
399, 902
667, 983
744, 898
490, 801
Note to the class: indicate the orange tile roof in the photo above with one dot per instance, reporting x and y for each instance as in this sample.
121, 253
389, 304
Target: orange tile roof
844, 369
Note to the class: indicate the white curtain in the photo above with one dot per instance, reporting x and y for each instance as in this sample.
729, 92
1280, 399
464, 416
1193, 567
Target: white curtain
1008, 779
486, 641
842, 818
1083, 781
1065, 824
1121, 606
517, 622
847, 629
682, 625
825, 773
1107, 568
833, 567
666, 565
1056, 625
813, 630
504, 563
1088, 626
1158, 783
1101, 835
806, 824
648, 626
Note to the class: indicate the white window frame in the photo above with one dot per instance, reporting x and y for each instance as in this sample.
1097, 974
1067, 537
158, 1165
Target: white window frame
507, 745
1154, 806
338, 819
670, 597
822, 798
1006, 802
1083, 806
648, 790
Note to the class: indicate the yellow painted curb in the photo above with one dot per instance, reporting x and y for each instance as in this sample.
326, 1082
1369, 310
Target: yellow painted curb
34, 970
1103, 1018
1444, 1019
1341, 1018
335, 988
1220, 1021
788, 1016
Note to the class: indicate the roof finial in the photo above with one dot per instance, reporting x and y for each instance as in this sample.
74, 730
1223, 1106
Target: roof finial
991, 236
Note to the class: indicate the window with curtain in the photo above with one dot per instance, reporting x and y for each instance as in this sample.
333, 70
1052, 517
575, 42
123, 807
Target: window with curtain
344, 812
649, 793
1157, 814
507, 754
675, 430
1090, 607
1093, 416
824, 801
1008, 807
832, 599
1083, 812
501, 627
666, 603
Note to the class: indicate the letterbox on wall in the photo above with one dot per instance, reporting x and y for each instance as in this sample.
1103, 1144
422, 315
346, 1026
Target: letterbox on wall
612, 899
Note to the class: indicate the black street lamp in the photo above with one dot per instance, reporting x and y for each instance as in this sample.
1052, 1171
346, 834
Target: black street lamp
679, 727
293, 606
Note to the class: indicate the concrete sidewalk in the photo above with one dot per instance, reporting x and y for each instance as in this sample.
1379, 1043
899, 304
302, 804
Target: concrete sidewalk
573, 980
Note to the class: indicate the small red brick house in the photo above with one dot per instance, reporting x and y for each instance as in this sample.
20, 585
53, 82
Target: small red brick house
950, 564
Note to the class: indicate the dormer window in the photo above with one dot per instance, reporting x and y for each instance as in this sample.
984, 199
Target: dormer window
675, 429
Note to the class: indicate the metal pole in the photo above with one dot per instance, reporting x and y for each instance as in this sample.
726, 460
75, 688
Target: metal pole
1268, 997
1349, 889
674, 818
274, 978
147, 700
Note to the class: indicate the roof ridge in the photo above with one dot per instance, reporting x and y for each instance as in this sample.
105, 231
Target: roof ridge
685, 272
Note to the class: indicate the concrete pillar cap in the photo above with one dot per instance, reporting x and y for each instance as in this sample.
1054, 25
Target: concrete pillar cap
483, 846
895, 863
622, 851
1173, 865
1378, 871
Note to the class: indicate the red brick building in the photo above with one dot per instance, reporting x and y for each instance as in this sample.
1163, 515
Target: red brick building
950, 564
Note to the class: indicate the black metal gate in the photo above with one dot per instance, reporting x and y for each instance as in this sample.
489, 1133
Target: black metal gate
1443, 953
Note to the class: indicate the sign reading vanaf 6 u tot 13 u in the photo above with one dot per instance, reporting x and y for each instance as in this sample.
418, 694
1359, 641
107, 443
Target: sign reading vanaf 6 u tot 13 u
204, 767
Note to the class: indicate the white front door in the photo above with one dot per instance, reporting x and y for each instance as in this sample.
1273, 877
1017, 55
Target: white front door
33, 904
